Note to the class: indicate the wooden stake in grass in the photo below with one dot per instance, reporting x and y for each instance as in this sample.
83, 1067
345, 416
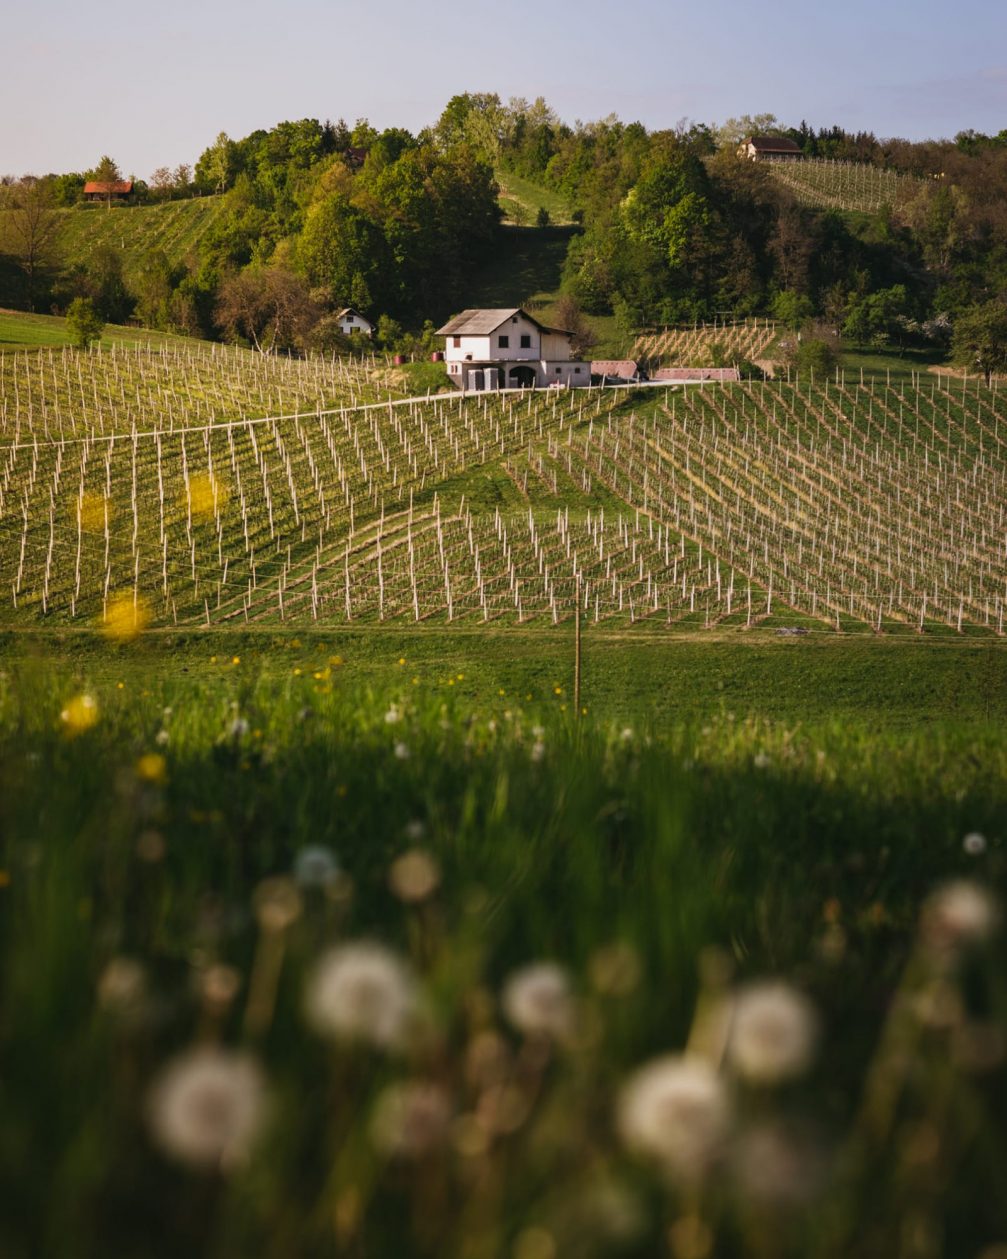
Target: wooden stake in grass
577, 658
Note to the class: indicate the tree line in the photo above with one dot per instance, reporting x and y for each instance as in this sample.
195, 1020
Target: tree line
672, 227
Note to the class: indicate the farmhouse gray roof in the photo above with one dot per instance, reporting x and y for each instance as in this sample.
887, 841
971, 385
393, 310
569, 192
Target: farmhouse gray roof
480, 323
774, 144
350, 310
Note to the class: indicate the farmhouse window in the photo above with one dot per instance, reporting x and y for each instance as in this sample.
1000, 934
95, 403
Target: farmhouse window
503, 343
349, 318
456, 342
577, 370
558, 370
525, 341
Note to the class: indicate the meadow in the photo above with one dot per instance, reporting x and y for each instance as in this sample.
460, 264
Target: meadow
333, 925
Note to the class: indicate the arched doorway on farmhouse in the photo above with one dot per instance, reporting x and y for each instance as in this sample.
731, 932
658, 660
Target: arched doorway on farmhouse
522, 377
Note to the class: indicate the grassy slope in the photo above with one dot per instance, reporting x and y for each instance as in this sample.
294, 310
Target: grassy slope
19, 331
173, 227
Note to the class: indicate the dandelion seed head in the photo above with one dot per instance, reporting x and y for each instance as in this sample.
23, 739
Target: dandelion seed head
122, 984
401, 751
537, 1001
316, 866
414, 876
538, 752
773, 1032
974, 844
207, 1106
411, 1119
277, 903
958, 915
362, 992
675, 1110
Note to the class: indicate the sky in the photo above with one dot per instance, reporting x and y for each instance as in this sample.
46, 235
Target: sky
153, 84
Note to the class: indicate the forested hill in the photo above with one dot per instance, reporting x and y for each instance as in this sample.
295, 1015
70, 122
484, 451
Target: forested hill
669, 226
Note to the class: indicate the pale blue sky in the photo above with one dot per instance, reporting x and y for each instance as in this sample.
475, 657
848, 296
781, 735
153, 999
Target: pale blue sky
154, 84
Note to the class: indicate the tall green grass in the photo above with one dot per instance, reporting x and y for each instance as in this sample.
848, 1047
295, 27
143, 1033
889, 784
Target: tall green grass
156, 900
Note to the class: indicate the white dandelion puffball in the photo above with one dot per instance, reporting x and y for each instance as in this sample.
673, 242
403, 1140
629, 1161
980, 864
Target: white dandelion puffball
957, 915
675, 1110
538, 1002
361, 992
773, 1031
974, 844
315, 866
207, 1106
392, 716
537, 752
410, 1119
402, 751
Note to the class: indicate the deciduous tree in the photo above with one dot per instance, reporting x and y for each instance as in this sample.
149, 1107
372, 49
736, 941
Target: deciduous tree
31, 223
979, 342
83, 322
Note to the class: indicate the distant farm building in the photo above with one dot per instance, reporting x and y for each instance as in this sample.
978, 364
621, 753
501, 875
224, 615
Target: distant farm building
108, 190
695, 375
353, 324
509, 349
355, 157
759, 148
616, 371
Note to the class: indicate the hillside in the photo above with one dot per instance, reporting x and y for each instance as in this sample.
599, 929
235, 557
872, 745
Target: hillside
173, 228
215, 487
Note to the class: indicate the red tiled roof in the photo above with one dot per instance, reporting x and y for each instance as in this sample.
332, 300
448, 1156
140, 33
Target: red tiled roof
696, 373
117, 188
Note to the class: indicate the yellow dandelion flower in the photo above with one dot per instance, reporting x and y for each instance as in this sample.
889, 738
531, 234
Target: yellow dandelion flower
80, 714
126, 617
402, 660
92, 512
152, 768
557, 690
235, 660
206, 496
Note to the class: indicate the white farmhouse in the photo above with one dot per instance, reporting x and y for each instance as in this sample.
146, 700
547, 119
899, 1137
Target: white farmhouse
508, 349
353, 323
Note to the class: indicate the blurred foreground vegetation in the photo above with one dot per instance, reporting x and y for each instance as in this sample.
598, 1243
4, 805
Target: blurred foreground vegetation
188, 1067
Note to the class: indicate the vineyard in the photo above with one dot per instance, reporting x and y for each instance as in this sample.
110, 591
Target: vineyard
199, 487
695, 346
848, 186
172, 228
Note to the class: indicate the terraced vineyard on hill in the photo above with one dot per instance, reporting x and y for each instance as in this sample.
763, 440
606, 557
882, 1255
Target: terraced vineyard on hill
173, 228
694, 346
221, 487
848, 186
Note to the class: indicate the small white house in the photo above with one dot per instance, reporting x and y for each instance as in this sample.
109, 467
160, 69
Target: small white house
509, 349
353, 324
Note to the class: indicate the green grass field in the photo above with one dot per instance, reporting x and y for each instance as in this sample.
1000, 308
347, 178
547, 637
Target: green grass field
21, 331
190, 825
521, 200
